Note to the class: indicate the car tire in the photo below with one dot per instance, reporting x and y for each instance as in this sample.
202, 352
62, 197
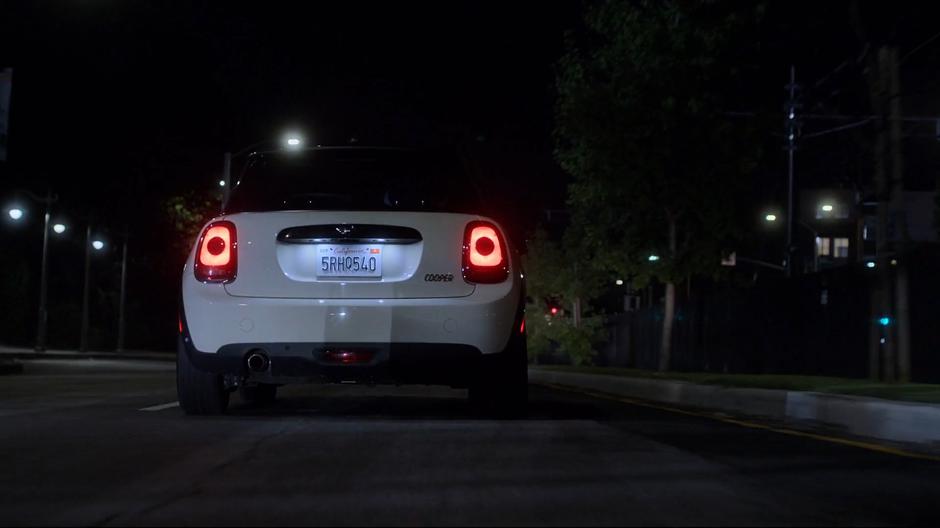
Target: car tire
501, 387
199, 393
260, 394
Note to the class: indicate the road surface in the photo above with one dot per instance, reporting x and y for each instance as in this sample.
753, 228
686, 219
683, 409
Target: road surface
100, 442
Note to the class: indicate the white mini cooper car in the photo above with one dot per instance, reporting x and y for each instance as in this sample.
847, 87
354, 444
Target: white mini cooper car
342, 264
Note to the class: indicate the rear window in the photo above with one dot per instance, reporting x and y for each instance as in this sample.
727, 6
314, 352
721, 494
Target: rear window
359, 179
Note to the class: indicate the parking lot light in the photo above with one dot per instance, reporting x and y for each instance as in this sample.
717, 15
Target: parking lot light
653, 258
293, 142
15, 213
59, 228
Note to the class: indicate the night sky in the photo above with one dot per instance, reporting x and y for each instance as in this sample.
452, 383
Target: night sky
158, 91
164, 89
118, 105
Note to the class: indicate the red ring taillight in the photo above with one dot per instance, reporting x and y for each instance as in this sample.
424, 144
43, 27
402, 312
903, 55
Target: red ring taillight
485, 259
217, 253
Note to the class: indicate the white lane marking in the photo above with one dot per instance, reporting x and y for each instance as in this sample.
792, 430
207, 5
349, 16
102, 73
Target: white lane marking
161, 407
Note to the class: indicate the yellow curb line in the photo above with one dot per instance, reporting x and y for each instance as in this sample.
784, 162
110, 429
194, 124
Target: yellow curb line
751, 425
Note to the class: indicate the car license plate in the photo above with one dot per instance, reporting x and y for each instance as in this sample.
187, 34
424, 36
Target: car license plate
349, 261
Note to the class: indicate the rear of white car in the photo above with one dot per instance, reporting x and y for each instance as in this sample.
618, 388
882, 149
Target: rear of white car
351, 265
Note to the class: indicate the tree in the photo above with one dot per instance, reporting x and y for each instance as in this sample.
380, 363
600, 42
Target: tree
641, 127
187, 213
562, 271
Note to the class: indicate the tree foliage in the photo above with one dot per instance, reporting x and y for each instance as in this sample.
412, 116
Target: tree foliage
188, 212
641, 127
564, 272
577, 343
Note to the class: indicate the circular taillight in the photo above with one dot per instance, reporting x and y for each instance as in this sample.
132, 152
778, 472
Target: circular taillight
215, 246
485, 246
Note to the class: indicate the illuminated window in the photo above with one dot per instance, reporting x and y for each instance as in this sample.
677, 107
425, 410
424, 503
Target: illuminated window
822, 246
840, 247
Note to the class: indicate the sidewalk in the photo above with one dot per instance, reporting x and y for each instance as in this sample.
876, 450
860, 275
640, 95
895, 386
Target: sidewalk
8, 354
895, 421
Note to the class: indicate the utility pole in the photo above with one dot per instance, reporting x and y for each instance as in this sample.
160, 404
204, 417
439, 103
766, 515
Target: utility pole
882, 91
900, 318
791, 132
83, 343
123, 295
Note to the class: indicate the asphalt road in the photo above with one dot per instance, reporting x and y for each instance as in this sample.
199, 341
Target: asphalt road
76, 448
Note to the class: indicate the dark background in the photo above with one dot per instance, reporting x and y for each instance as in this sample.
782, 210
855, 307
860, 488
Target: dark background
118, 106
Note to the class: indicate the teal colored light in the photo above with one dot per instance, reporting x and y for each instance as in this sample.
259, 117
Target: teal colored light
884, 321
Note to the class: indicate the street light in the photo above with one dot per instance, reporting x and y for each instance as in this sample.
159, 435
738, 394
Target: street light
16, 213
59, 228
96, 244
653, 258
771, 218
619, 282
827, 208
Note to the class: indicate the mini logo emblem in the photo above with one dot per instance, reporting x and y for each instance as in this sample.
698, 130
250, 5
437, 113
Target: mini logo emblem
439, 277
345, 230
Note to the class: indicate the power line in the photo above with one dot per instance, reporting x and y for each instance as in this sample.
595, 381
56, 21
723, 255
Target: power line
920, 46
838, 69
837, 129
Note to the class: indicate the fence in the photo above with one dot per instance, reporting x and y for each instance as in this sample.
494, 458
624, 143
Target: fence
818, 324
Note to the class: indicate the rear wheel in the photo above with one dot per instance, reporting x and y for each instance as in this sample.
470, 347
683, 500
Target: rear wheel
502, 385
260, 394
199, 392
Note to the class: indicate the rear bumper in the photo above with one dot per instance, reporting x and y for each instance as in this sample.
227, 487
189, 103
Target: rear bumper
483, 321
406, 363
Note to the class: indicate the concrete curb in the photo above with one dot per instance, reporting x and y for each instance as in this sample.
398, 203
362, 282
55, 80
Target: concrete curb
906, 422
27, 354
10, 366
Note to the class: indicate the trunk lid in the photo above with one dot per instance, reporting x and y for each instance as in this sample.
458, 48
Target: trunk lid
349, 254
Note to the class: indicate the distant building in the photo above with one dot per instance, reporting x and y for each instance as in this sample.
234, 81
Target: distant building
841, 225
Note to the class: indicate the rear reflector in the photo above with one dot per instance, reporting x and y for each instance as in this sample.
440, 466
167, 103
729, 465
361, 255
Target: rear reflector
344, 356
217, 253
484, 254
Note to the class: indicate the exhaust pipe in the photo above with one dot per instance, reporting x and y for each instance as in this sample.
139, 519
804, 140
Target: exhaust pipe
257, 361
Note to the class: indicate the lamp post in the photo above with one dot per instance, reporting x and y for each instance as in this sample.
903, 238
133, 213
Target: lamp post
16, 214
90, 244
815, 242
43, 323
772, 218
123, 296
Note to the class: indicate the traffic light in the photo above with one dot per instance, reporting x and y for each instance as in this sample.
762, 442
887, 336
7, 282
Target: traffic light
553, 307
